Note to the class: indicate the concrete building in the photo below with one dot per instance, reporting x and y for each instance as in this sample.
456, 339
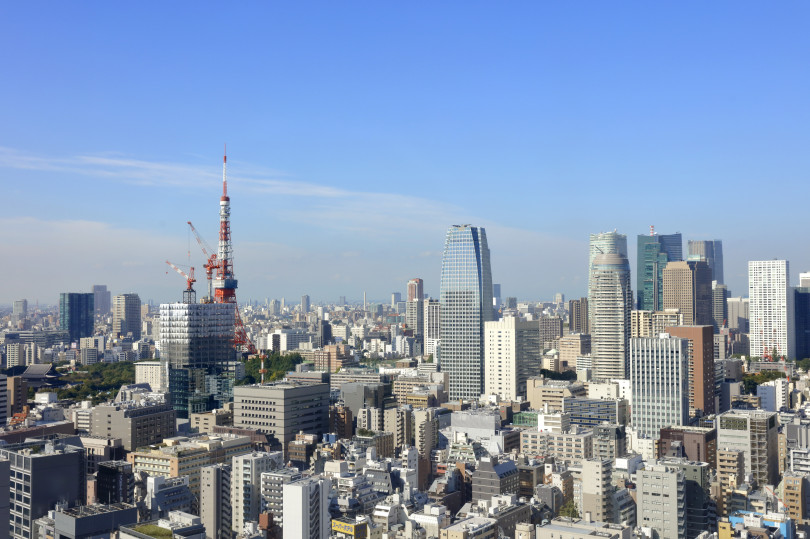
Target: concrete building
719, 306
306, 504
126, 310
101, 299
471, 528
492, 478
17, 394
653, 323
771, 308
696, 443
597, 489
465, 306
738, 313
512, 354
610, 304
96, 521
659, 381
44, 473
755, 434
571, 347
282, 409
154, 373
215, 501
688, 288
542, 392
661, 495
246, 472
137, 424
574, 528
272, 484
711, 252
578, 316
701, 367
115, 482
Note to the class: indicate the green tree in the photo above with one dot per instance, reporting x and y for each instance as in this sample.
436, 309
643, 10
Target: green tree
569, 509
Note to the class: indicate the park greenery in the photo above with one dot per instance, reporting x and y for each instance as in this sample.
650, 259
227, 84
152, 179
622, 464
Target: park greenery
277, 367
752, 380
97, 382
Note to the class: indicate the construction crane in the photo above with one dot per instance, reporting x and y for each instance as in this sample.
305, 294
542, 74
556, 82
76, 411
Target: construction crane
210, 264
189, 295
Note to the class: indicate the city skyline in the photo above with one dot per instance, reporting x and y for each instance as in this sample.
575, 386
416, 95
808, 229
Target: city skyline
104, 166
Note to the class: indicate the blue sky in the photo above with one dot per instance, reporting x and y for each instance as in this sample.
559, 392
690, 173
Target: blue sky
357, 132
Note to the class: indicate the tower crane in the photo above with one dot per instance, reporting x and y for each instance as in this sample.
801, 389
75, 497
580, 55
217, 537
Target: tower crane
209, 265
189, 295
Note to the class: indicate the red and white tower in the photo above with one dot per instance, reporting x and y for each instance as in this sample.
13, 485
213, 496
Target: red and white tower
225, 283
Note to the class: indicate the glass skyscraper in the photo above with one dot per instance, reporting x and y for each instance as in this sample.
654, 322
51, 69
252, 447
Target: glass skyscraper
466, 304
77, 314
654, 251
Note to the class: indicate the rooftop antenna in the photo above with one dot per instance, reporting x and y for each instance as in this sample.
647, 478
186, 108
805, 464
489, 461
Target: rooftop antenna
652, 230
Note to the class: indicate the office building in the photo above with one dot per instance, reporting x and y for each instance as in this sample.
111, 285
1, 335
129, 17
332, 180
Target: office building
578, 316
76, 314
246, 485
771, 308
306, 508
496, 295
688, 288
215, 501
659, 382
661, 499
432, 323
755, 434
466, 305
697, 444
136, 423
711, 252
513, 353
609, 441
305, 304
115, 482
701, 367
492, 478
416, 289
551, 329
126, 309
719, 306
654, 252
801, 301
196, 340
19, 310
102, 299
17, 394
738, 314
653, 323
282, 409
44, 473
571, 347
610, 304
415, 317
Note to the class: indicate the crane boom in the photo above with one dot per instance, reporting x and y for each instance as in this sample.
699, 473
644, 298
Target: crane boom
210, 263
189, 296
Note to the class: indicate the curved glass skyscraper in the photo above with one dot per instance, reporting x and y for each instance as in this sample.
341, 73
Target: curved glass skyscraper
466, 303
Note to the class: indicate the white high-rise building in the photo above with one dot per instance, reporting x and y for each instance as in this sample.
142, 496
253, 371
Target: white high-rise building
804, 279
512, 354
659, 378
431, 321
602, 244
609, 305
306, 509
246, 485
771, 308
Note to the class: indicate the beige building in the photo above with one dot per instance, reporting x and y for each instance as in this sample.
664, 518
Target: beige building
597, 489
137, 424
575, 528
512, 355
541, 391
688, 287
206, 421
180, 456
653, 323
572, 447
571, 347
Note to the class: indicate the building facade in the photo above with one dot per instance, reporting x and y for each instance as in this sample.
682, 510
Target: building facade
610, 305
465, 305
771, 308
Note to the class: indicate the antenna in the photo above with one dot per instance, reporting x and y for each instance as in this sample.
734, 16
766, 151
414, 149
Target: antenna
652, 230
225, 171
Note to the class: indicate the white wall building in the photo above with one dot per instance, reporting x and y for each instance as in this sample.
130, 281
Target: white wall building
512, 355
659, 377
154, 373
771, 308
306, 509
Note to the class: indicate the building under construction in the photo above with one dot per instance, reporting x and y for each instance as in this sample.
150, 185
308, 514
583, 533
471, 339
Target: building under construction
203, 341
